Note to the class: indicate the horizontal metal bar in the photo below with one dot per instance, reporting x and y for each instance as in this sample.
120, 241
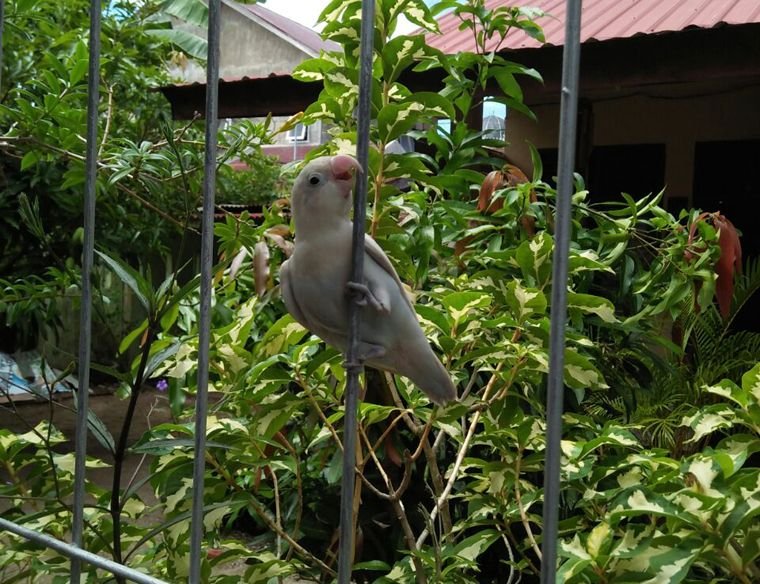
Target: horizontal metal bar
74, 552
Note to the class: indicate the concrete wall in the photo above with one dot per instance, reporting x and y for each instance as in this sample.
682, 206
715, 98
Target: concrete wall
246, 50
677, 117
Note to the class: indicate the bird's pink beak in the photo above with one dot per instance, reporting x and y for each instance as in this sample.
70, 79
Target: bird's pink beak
344, 166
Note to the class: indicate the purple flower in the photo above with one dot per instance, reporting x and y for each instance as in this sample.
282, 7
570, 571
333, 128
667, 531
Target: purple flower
162, 385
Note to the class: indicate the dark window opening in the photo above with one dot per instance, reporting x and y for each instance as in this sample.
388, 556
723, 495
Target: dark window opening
549, 162
636, 169
726, 180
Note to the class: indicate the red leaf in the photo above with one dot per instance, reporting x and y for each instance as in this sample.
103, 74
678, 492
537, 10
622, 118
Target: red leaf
729, 263
494, 180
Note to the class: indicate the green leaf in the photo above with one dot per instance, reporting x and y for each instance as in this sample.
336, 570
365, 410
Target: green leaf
435, 316
184, 516
732, 452
534, 258
311, 70
525, 302
30, 159
590, 304
373, 413
374, 565
460, 304
709, 419
536, 162
127, 341
395, 120
193, 12
281, 335
74, 176
162, 446
586, 260
399, 53
436, 105
571, 568
472, 547
580, 373
507, 82
160, 355
751, 384
100, 431
270, 569
131, 278
184, 40
636, 501
334, 470
78, 71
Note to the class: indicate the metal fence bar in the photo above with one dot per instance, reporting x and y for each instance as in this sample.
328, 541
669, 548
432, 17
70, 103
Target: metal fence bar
555, 392
204, 324
85, 315
2, 23
77, 554
353, 366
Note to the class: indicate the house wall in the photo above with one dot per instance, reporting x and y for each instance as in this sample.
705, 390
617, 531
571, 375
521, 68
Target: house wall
676, 117
246, 49
288, 150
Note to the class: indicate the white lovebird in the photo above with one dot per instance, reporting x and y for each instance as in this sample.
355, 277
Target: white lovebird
315, 288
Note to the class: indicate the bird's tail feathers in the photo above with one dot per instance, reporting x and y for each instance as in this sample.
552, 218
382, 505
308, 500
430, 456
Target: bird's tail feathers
428, 373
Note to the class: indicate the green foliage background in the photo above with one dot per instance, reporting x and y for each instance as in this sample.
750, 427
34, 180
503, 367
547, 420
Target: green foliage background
661, 434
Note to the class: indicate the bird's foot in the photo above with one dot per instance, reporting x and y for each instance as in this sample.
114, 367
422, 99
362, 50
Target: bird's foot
362, 295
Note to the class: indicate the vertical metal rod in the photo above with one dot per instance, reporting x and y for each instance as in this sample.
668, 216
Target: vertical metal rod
2, 24
204, 325
85, 314
555, 392
354, 368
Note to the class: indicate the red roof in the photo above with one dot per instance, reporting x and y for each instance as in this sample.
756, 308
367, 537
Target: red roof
606, 19
295, 31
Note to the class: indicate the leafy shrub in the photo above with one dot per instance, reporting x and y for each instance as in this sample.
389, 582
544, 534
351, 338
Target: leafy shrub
260, 182
447, 494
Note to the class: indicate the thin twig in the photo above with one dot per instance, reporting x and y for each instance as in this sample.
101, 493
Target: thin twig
394, 496
416, 428
523, 514
383, 436
510, 553
109, 115
460, 456
155, 209
280, 438
144, 456
319, 411
277, 511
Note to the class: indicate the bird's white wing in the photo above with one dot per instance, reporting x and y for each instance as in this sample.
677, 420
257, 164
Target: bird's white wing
286, 288
376, 254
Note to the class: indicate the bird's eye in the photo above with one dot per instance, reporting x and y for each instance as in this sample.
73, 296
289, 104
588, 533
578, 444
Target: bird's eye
315, 179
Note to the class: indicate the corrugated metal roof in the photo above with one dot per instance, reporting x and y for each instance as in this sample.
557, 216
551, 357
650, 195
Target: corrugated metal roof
234, 79
606, 19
